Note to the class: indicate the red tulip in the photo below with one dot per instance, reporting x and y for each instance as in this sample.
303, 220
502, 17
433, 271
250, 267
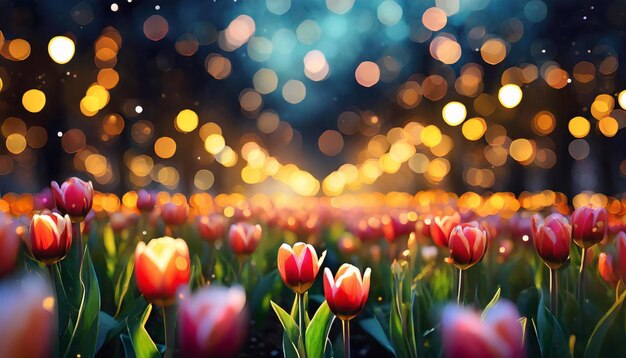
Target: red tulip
212, 322
467, 244
160, 268
211, 227
441, 227
146, 200
73, 198
607, 269
370, 229
464, 334
175, 214
397, 224
9, 245
552, 239
347, 292
298, 266
27, 313
620, 245
118, 221
50, 237
244, 238
589, 225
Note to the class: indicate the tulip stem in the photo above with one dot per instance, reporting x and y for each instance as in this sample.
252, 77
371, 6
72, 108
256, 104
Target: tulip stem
79, 242
459, 298
581, 282
345, 325
301, 319
554, 292
169, 323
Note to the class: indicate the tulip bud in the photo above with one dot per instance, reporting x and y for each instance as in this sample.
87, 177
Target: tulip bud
50, 237
441, 227
464, 334
606, 268
27, 313
589, 225
620, 245
9, 245
298, 266
212, 322
146, 200
552, 239
175, 214
244, 238
211, 227
160, 268
346, 293
467, 244
73, 198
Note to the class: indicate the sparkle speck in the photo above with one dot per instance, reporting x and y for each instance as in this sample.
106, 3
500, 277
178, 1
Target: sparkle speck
584, 17
158, 7
144, 232
543, 51
138, 109
59, 134
114, 7
569, 80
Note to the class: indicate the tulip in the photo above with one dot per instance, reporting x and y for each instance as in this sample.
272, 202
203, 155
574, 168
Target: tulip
50, 237
298, 266
118, 221
589, 228
464, 334
243, 238
74, 197
468, 245
607, 269
146, 201
346, 295
27, 315
212, 322
620, 245
9, 245
175, 214
441, 227
211, 227
552, 237
161, 267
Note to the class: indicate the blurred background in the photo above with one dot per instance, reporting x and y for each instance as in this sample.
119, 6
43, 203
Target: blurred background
314, 97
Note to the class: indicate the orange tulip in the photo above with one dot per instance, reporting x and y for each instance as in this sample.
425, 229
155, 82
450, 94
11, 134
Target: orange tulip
298, 266
160, 268
244, 238
347, 292
608, 269
9, 245
50, 237
27, 315
212, 322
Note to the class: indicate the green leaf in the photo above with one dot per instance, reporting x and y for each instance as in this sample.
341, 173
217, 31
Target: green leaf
290, 327
123, 282
85, 333
129, 352
142, 344
317, 331
552, 340
595, 343
108, 328
374, 329
490, 305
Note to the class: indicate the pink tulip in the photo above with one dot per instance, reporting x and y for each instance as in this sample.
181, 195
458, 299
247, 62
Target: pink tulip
74, 198
465, 335
146, 200
589, 225
212, 322
552, 237
175, 214
27, 315
467, 244
211, 227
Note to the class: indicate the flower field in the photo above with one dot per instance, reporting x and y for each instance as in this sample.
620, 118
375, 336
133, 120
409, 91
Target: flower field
423, 275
